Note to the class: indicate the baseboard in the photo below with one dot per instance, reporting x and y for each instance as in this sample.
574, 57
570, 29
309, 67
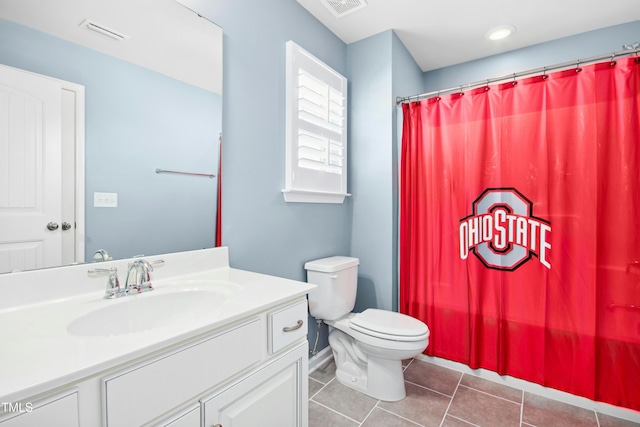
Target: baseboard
561, 396
323, 357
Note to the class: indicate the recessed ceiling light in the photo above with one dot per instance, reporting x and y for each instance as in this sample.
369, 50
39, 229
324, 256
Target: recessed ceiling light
500, 32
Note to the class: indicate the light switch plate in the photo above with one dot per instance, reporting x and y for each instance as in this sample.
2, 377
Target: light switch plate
105, 200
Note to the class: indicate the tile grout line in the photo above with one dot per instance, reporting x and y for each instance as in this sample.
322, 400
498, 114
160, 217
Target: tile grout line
451, 401
430, 389
489, 394
399, 416
374, 407
464, 421
334, 411
321, 388
404, 368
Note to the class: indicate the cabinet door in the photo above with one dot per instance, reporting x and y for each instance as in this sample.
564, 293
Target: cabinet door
60, 412
189, 418
276, 395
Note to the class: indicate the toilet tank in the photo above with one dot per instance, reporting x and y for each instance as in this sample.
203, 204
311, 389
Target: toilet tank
337, 281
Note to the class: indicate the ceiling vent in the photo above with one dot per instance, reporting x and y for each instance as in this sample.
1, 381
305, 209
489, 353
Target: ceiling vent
340, 8
101, 29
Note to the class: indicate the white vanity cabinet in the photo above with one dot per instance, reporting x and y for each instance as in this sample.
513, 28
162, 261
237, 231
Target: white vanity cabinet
209, 372
223, 346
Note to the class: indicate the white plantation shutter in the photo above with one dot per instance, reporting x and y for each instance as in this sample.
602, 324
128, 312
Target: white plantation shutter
316, 125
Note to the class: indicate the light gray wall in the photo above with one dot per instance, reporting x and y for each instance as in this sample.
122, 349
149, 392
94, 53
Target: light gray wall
265, 234
379, 69
370, 168
585, 45
136, 120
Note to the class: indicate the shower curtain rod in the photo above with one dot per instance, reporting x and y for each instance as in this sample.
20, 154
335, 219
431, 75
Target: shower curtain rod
631, 49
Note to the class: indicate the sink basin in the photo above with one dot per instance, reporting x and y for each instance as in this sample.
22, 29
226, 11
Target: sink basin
147, 311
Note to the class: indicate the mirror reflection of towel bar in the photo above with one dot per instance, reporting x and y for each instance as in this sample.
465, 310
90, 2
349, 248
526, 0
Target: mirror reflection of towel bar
208, 175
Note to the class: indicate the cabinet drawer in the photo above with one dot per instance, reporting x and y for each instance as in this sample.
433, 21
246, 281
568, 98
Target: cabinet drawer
287, 325
139, 395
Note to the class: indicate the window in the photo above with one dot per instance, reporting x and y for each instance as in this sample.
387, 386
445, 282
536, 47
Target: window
316, 127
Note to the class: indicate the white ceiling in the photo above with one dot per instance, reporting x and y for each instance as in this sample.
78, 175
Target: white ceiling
448, 32
157, 30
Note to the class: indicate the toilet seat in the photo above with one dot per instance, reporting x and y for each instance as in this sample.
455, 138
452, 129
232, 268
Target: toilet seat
389, 325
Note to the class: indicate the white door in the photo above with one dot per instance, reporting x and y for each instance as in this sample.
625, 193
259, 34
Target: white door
31, 191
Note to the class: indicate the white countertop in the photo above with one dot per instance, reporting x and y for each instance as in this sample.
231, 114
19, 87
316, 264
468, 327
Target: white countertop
39, 353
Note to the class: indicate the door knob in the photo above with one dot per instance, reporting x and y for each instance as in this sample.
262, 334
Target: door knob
52, 226
66, 226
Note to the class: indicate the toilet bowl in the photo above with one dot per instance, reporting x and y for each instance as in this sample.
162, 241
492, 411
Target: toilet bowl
368, 347
369, 359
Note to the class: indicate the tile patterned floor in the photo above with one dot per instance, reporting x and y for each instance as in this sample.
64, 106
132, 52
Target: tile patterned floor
440, 397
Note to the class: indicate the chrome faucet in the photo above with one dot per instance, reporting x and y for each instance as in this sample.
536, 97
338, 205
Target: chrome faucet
139, 276
101, 255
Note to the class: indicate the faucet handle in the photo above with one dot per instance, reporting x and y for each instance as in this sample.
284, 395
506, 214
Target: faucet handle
147, 268
99, 272
113, 283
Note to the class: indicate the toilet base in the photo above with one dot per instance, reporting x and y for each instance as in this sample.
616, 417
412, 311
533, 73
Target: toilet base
374, 376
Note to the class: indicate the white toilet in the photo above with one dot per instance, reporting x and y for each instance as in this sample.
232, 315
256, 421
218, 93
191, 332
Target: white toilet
368, 347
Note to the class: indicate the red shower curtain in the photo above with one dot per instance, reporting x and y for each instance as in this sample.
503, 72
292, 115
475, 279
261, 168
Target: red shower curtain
519, 228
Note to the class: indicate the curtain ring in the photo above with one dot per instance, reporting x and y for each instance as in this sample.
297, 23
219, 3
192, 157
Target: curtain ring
544, 73
578, 69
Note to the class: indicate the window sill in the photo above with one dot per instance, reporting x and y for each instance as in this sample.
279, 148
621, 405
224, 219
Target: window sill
301, 196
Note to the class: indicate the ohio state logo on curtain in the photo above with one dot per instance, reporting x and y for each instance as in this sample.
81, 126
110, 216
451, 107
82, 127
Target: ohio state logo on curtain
502, 231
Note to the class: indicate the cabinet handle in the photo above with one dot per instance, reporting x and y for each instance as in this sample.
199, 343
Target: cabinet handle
293, 328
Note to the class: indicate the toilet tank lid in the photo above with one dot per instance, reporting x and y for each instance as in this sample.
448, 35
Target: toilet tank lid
331, 264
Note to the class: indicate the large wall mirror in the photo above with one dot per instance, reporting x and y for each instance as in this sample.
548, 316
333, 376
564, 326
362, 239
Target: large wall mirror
149, 79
